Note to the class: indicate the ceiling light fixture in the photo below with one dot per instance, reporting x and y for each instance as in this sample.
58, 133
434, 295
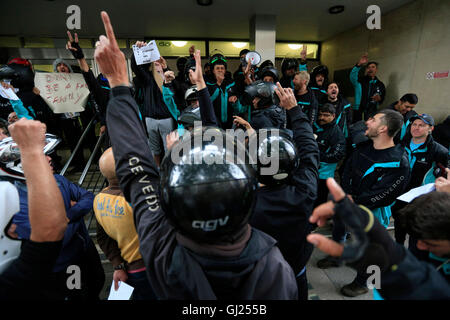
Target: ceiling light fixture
179, 43
336, 9
239, 44
295, 46
204, 2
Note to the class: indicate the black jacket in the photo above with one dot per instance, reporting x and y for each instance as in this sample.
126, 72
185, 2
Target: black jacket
441, 133
271, 117
153, 104
331, 143
343, 113
423, 161
375, 178
283, 211
369, 87
414, 280
309, 105
320, 93
100, 93
176, 267
406, 123
223, 109
29, 277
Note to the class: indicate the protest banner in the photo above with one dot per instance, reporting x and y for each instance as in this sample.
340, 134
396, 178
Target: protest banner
63, 92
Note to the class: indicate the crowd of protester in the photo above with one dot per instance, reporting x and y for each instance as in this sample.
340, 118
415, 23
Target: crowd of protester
175, 230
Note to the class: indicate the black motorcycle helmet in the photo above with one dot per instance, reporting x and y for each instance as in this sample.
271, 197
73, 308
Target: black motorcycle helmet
277, 145
289, 63
270, 71
24, 78
7, 73
264, 90
266, 63
209, 203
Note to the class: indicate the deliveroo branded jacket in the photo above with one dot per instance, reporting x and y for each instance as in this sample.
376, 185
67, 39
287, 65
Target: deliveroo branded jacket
283, 211
365, 88
331, 143
406, 122
343, 114
258, 271
416, 280
375, 178
320, 93
309, 105
423, 160
223, 109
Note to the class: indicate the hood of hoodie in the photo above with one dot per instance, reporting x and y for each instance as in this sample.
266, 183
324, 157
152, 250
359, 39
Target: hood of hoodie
58, 61
218, 266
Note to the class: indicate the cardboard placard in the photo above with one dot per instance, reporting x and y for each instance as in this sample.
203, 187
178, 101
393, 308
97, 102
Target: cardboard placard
63, 92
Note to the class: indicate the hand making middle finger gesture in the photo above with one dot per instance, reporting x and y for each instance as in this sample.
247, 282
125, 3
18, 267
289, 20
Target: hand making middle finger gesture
286, 95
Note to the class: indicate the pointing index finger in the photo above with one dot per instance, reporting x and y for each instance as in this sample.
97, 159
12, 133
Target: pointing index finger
109, 30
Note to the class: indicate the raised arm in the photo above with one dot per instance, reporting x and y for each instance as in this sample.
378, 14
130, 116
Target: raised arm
305, 177
45, 205
204, 100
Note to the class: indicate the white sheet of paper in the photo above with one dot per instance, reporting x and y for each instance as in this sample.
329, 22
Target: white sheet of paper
147, 54
417, 192
123, 293
8, 93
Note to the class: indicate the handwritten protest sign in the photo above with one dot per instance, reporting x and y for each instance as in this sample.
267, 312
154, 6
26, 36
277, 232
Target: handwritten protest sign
63, 92
147, 54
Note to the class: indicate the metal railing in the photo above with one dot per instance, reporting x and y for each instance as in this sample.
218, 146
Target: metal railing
90, 179
78, 146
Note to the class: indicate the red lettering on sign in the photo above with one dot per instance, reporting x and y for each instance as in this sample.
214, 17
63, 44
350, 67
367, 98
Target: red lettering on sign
438, 75
68, 86
55, 87
78, 98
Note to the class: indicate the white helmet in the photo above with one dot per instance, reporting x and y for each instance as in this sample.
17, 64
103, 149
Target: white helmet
10, 164
9, 206
191, 94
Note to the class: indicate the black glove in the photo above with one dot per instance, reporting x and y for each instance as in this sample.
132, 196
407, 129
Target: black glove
78, 54
371, 244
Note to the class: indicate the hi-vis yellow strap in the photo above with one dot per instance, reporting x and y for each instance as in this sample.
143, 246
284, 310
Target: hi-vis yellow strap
371, 218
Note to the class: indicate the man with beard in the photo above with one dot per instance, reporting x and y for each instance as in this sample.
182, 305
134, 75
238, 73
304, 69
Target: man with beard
405, 106
342, 107
305, 98
290, 66
374, 176
369, 90
319, 83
